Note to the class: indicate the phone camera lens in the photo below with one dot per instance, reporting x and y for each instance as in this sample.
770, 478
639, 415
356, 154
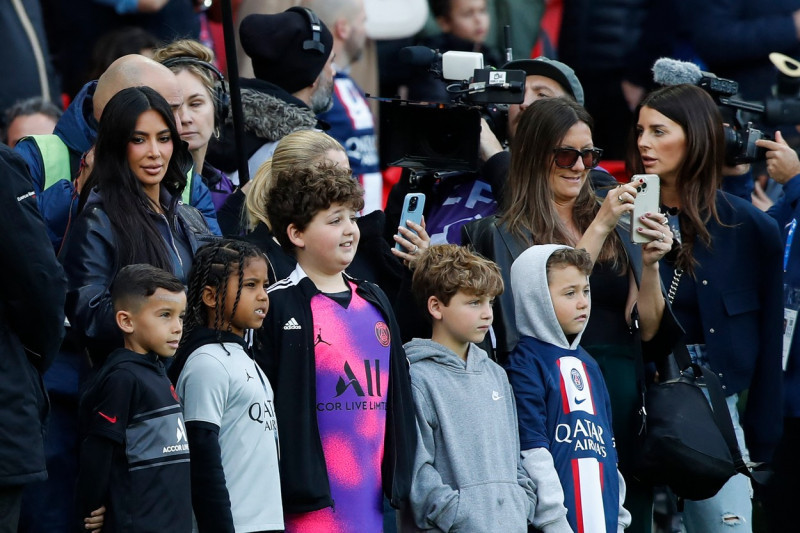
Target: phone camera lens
644, 186
413, 203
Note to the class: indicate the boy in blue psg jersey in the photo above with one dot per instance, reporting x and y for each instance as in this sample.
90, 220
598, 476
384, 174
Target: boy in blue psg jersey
563, 407
134, 458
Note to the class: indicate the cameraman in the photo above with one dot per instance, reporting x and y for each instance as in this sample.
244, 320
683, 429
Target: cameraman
545, 78
783, 165
462, 197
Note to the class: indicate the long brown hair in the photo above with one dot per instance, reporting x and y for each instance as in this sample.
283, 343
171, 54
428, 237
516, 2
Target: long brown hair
528, 208
700, 172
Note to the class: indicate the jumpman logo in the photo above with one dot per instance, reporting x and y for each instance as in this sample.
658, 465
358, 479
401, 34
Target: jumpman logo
319, 339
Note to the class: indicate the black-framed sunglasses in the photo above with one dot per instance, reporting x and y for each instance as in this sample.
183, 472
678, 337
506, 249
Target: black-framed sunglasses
567, 157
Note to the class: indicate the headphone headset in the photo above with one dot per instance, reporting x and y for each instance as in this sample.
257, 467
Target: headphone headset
315, 43
221, 97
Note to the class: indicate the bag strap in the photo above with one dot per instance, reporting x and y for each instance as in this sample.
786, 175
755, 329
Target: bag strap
719, 405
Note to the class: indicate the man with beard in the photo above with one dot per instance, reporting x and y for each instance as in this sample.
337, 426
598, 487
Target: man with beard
350, 118
293, 65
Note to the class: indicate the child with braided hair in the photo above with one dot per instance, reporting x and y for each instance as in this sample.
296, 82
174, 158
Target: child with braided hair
227, 400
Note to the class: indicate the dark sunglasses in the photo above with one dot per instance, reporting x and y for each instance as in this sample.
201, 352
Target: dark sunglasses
567, 157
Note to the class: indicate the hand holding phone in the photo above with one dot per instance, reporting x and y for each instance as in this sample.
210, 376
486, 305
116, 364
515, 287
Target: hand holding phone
413, 206
648, 199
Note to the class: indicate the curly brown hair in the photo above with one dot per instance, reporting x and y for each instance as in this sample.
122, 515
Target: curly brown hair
445, 269
298, 194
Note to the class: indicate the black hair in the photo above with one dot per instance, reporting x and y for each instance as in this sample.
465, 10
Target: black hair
117, 43
213, 266
26, 107
134, 283
128, 207
440, 8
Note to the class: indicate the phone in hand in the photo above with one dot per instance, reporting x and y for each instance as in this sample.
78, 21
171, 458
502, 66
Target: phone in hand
413, 204
648, 199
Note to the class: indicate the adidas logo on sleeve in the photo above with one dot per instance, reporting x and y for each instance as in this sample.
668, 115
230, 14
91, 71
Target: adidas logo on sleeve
292, 324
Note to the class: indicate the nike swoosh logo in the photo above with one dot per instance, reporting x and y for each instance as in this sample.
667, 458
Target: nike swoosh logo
112, 420
578, 402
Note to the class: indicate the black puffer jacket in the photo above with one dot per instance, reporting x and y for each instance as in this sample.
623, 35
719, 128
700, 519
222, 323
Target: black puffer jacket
31, 324
270, 113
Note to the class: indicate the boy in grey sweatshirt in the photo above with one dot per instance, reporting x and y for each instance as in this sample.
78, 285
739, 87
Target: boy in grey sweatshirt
468, 474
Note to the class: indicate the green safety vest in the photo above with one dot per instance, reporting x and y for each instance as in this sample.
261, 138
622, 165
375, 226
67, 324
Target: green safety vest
55, 156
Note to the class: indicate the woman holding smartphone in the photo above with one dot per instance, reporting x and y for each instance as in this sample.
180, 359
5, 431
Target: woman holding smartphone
725, 273
549, 200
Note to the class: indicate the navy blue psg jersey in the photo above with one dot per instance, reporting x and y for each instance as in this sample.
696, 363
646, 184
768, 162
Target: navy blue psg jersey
353, 125
563, 406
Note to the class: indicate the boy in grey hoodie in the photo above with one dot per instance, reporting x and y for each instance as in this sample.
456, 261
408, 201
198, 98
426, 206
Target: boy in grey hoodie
564, 410
468, 474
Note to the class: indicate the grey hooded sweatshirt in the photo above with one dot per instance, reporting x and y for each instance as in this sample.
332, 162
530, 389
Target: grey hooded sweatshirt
468, 474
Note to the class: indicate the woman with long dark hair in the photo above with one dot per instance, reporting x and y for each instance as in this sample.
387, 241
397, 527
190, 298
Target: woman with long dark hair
725, 275
549, 200
132, 214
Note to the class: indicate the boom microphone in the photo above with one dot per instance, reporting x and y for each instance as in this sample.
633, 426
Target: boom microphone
419, 56
668, 71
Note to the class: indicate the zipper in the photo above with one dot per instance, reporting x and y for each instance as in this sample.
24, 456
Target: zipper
37, 49
172, 241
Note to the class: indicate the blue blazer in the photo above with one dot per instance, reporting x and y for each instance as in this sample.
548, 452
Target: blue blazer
740, 296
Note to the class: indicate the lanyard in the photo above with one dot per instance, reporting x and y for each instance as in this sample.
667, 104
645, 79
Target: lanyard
787, 248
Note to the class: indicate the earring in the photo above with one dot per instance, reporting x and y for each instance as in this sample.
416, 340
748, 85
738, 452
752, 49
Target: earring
216, 132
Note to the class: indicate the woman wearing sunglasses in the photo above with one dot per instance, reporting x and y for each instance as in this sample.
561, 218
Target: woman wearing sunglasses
725, 274
549, 199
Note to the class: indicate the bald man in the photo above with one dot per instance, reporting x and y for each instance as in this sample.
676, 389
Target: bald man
55, 162
133, 71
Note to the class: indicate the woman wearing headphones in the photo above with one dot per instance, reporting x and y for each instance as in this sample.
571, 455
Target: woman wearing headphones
206, 104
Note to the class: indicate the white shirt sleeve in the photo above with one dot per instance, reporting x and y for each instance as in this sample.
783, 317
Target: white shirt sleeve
203, 388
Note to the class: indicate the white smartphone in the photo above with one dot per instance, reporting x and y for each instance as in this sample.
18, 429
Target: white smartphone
413, 204
648, 199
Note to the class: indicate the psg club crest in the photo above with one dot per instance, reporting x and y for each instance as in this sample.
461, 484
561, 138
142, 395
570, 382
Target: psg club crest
382, 333
576, 378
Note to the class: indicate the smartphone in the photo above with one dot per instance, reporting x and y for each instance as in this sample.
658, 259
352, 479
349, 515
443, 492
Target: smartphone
648, 199
413, 205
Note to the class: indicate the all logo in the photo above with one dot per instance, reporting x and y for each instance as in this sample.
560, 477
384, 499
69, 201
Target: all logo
576, 379
180, 433
373, 380
181, 441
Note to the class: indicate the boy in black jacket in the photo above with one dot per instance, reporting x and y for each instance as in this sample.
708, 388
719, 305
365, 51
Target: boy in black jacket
331, 348
135, 456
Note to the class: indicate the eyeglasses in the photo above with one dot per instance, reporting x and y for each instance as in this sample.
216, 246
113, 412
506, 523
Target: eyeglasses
567, 157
